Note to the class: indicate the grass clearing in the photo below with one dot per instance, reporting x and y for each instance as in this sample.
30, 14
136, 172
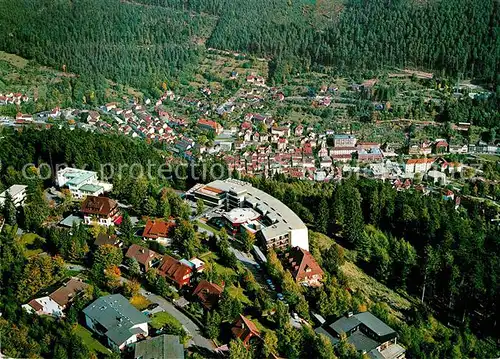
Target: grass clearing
164, 319
14, 60
91, 343
374, 290
32, 244
140, 302
208, 227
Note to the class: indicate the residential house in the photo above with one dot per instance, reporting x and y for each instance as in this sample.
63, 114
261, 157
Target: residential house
440, 146
368, 334
17, 193
113, 317
208, 293
161, 347
107, 239
299, 130
282, 131
458, 148
100, 211
303, 267
245, 330
24, 117
56, 302
282, 144
144, 256
176, 271
158, 230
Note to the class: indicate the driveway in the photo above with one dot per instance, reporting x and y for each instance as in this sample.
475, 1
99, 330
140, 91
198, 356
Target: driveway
191, 327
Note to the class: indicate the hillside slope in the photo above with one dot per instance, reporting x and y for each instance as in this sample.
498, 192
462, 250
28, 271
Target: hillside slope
142, 42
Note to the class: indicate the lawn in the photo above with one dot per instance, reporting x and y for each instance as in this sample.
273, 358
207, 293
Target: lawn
222, 271
91, 343
207, 227
140, 302
32, 243
164, 319
374, 290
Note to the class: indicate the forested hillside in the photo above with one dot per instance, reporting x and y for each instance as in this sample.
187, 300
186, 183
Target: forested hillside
124, 42
143, 45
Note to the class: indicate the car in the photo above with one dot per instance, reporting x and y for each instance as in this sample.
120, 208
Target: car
152, 306
257, 266
295, 316
269, 281
280, 296
148, 293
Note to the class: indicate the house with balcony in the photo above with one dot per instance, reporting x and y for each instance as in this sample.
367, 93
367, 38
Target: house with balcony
101, 211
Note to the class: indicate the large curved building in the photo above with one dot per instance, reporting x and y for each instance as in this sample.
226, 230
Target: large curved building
280, 226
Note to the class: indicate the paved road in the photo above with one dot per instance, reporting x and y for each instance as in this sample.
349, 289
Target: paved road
191, 327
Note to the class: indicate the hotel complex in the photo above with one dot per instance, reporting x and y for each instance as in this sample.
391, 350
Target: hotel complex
248, 208
81, 183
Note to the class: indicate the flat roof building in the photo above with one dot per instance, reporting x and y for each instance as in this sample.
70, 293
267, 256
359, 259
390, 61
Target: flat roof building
17, 193
281, 226
81, 183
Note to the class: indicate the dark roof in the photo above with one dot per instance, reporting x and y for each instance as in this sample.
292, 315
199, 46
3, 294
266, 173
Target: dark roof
345, 324
103, 238
374, 324
64, 294
321, 330
117, 316
98, 205
161, 347
208, 293
143, 255
362, 342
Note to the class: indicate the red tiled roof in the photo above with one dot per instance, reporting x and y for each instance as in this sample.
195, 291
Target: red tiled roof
419, 161
244, 329
157, 228
35, 305
208, 293
174, 269
302, 264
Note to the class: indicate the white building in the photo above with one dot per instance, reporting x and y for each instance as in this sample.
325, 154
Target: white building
115, 318
18, 194
82, 183
281, 227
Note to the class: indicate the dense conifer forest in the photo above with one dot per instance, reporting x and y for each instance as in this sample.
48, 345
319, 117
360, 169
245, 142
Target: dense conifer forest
146, 42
